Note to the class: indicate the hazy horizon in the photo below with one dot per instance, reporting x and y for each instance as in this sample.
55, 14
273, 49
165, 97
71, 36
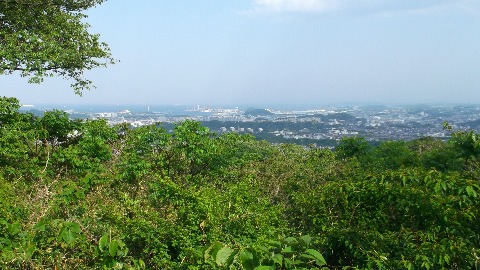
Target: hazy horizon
242, 106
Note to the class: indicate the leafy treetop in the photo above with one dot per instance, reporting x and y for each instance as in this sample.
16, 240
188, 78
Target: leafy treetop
43, 38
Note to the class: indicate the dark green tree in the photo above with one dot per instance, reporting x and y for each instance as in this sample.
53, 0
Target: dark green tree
352, 147
42, 38
8, 110
17, 134
392, 155
56, 127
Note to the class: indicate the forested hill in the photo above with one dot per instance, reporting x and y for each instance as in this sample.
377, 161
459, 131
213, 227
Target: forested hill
84, 195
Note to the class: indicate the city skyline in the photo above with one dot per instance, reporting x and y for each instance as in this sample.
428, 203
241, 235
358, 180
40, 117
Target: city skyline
278, 52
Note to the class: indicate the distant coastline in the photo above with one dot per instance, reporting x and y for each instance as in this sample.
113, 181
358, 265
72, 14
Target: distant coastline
320, 125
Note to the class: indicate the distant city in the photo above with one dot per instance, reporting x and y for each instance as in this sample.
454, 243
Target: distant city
322, 127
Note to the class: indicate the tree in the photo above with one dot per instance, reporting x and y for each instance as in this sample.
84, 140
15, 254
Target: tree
43, 38
194, 147
56, 127
8, 110
352, 147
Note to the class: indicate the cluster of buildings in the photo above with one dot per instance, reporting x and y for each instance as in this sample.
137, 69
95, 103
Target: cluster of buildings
375, 123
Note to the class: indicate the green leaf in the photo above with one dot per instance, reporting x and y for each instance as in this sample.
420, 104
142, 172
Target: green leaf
471, 192
79, 194
103, 243
290, 240
263, 267
69, 232
248, 259
276, 244
307, 257
30, 251
213, 250
225, 256
74, 227
141, 263
67, 236
437, 187
305, 240
113, 248
296, 262
40, 226
288, 261
318, 256
14, 228
444, 186
278, 259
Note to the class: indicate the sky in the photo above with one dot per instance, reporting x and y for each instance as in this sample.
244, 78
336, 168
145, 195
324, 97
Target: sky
214, 52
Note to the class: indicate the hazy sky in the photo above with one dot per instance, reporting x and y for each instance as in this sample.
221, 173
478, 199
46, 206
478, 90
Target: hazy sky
212, 52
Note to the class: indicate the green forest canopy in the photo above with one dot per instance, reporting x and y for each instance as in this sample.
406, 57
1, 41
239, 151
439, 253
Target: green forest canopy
82, 194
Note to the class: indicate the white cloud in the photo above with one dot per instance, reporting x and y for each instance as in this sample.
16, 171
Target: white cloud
293, 5
300, 6
375, 6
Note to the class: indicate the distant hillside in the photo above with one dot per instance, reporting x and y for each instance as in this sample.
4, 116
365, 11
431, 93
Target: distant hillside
333, 116
475, 124
258, 112
338, 116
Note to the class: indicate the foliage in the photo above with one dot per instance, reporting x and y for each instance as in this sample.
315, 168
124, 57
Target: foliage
374, 221
352, 147
286, 253
86, 195
8, 110
42, 38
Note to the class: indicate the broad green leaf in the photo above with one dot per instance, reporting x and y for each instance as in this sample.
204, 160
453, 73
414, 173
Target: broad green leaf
290, 240
296, 262
224, 256
437, 187
74, 227
248, 259
471, 192
103, 242
305, 240
40, 226
14, 228
263, 267
278, 259
444, 186
113, 248
307, 257
318, 256
79, 194
67, 236
212, 250
141, 264
30, 251
276, 244
69, 232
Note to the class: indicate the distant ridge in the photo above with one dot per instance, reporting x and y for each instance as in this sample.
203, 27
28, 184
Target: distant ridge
258, 112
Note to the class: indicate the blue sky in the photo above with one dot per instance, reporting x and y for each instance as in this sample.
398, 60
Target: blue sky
213, 52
